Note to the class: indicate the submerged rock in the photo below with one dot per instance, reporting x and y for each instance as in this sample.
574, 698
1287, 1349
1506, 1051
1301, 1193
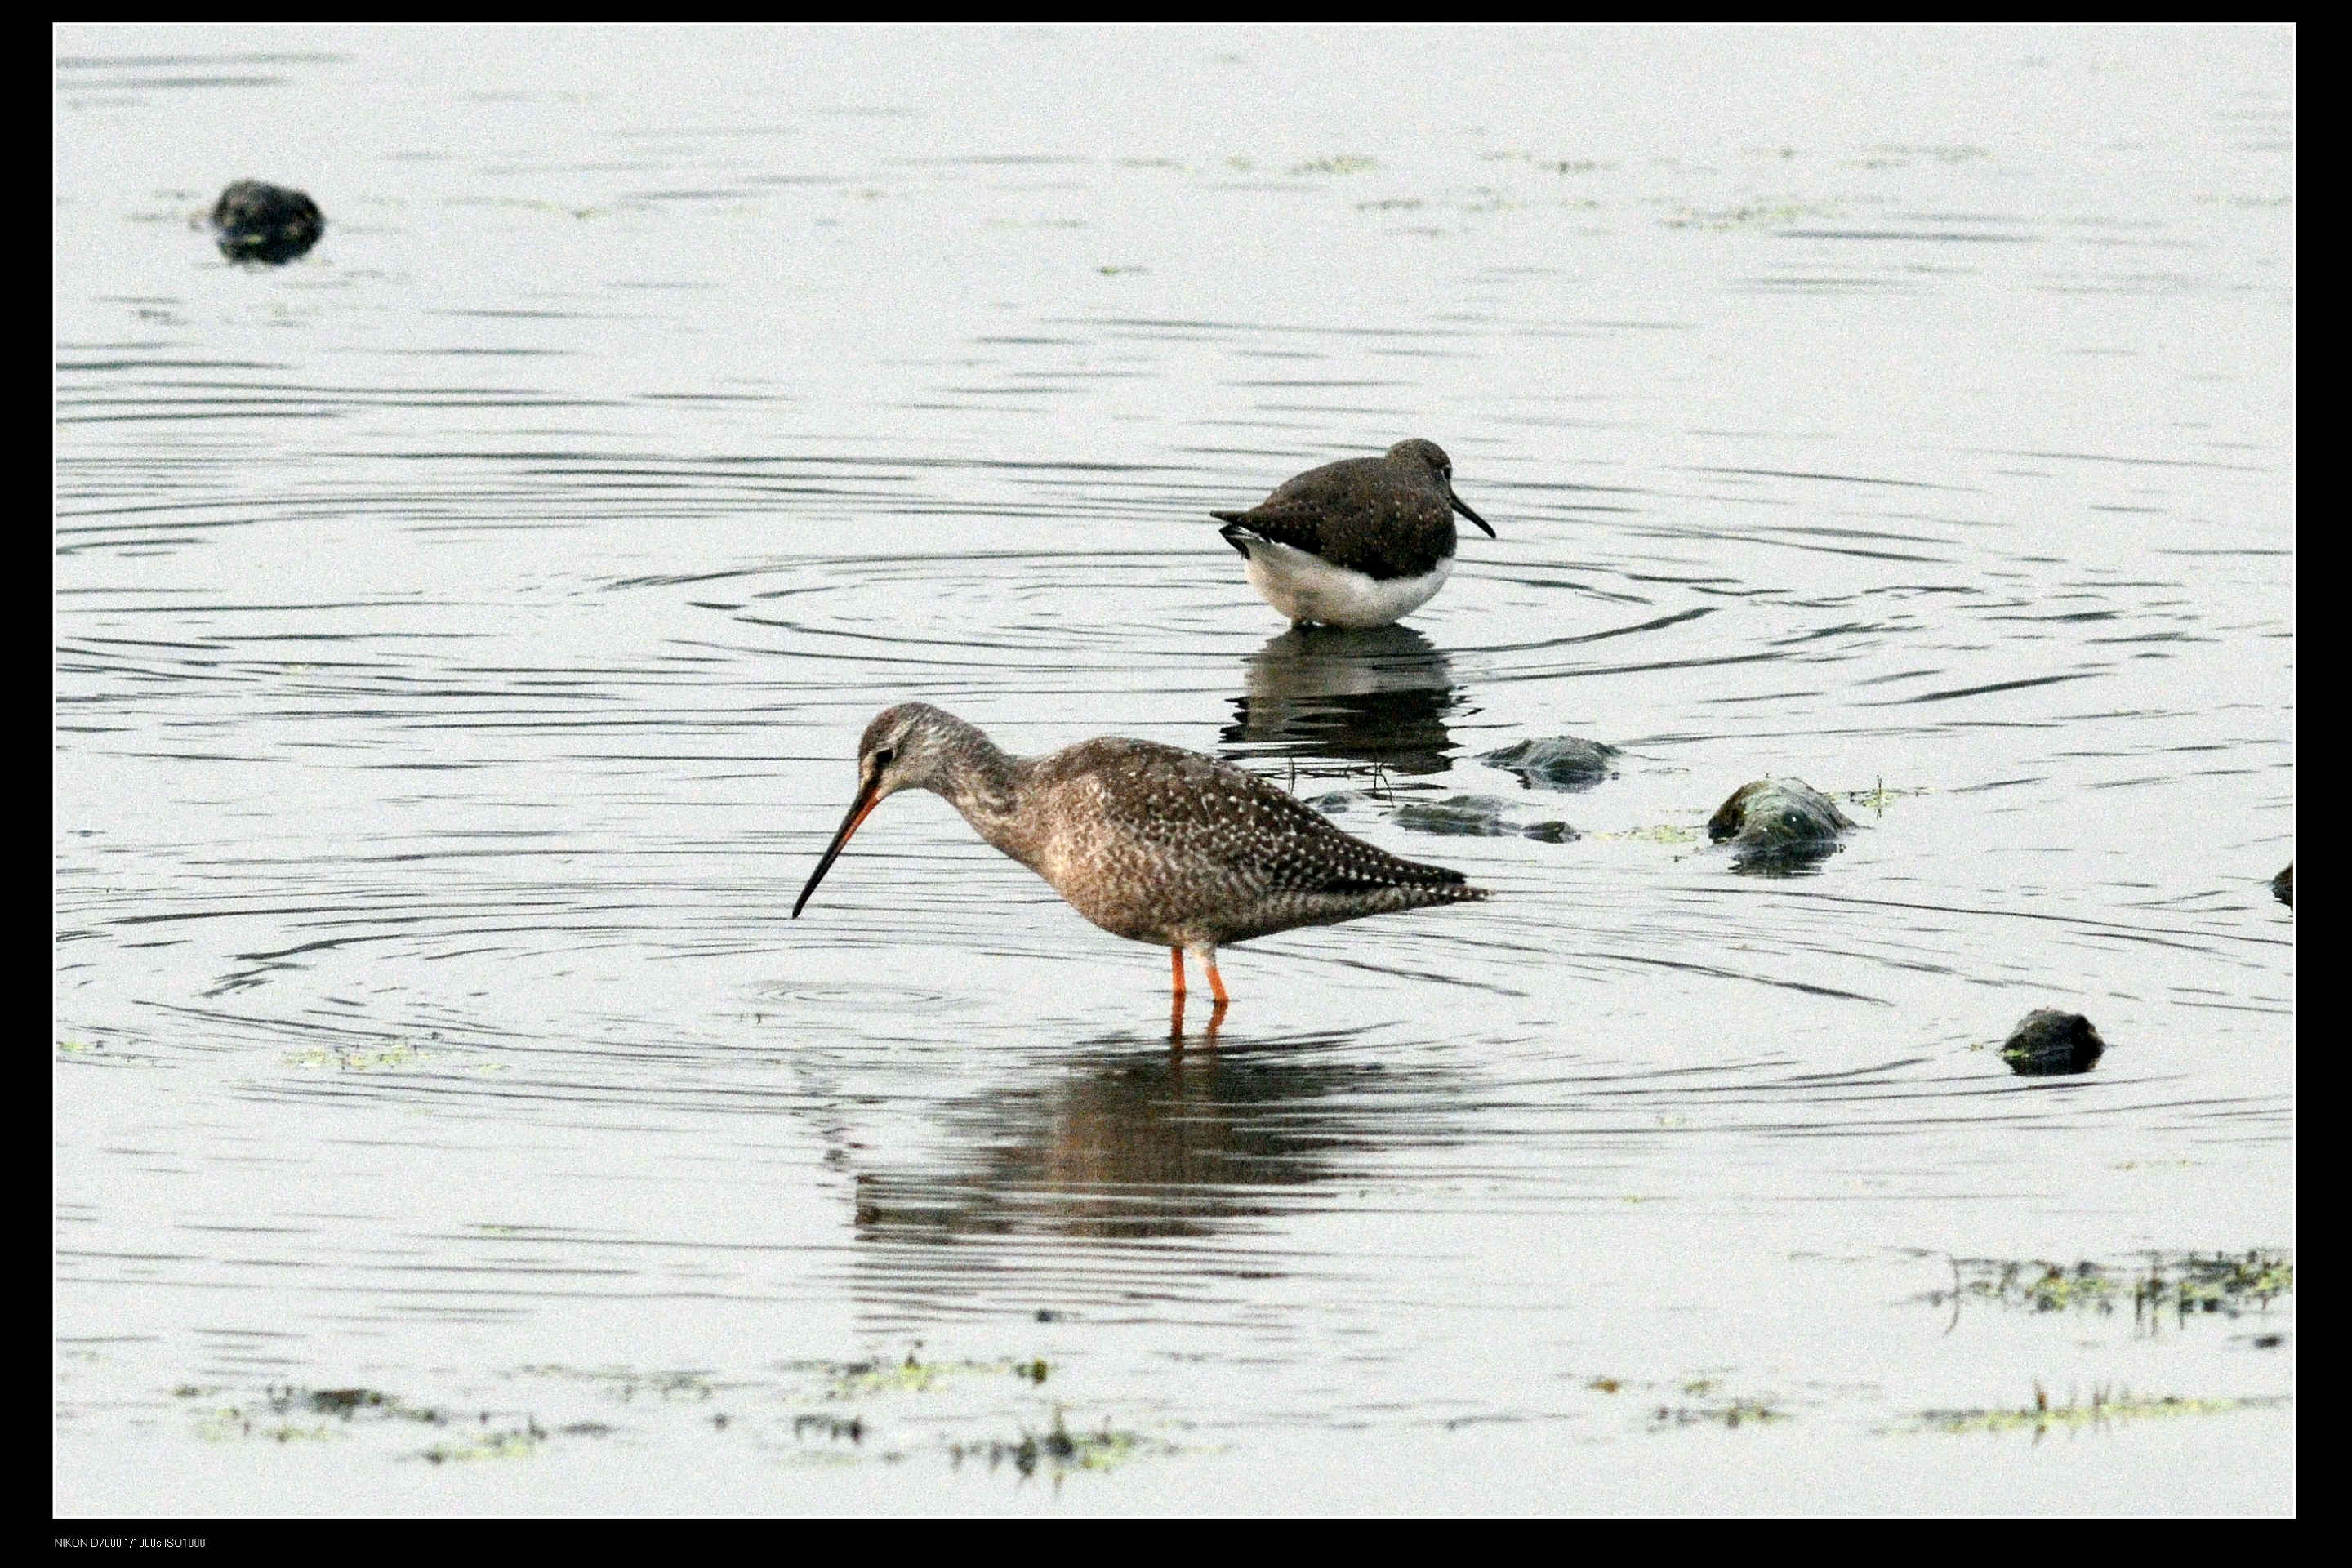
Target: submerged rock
1778, 825
1477, 816
1560, 762
2283, 884
256, 222
2048, 1042
1776, 811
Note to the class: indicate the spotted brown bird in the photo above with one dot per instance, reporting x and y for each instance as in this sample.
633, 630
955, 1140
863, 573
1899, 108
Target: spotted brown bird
1149, 842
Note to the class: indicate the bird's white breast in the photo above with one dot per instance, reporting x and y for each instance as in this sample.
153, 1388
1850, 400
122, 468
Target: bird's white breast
1309, 588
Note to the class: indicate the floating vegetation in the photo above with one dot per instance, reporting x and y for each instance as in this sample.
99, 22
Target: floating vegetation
230, 1424
287, 1414
1664, 833
1756, 214
834, 1429
858, 1379
528, 205
2106, 1408
1392, 205
1878, 798
1062, 1450
2184, 1284
354, 1060
627, 1384
1552, 165
1120, 271
817, 1412
1340, 165
1486, 199
1896, 157
1708, 1412
514, 1443
1732, 1414
99, 1053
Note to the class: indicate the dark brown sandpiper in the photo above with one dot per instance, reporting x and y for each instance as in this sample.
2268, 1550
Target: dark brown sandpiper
1146, 841
1359, 542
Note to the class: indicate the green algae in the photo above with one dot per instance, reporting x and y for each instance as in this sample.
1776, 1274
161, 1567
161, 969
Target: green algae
1732, 1414
288, 1415
1753, 214
2105, 1408
353, 1059
625, 1384
519, 1443
1062, 1451
862, 1379
1664, 833
2182, 1284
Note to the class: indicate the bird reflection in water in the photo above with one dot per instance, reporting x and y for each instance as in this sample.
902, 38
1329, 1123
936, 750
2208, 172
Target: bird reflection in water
1380, 696
1176, 1016
1146, 1144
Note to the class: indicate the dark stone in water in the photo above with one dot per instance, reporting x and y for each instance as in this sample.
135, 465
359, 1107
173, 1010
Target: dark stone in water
1779, 826
1778, 811
1562, 762
257, 222
2283, 884
2049, 1042
1477, 816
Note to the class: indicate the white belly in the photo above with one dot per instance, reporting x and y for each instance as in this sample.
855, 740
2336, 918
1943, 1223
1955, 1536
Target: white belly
1309, 588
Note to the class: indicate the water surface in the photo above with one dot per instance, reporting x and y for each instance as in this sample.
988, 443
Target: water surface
463, 634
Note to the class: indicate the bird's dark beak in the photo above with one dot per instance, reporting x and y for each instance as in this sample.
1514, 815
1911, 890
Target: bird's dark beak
1465, 511
868, 797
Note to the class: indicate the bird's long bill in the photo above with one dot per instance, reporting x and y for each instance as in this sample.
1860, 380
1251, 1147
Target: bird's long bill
868, 797
1473, 516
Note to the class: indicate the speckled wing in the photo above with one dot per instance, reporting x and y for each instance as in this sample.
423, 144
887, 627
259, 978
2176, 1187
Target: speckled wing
1170, 845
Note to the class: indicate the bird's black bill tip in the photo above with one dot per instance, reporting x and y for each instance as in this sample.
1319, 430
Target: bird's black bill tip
1473, 516
867, 799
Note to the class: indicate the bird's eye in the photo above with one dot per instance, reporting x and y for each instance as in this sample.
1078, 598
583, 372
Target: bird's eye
884, 756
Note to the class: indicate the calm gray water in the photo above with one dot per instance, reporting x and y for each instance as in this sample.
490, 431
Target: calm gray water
463, 634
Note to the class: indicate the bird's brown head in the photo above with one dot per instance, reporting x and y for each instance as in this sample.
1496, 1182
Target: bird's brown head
1432, 456
905, 747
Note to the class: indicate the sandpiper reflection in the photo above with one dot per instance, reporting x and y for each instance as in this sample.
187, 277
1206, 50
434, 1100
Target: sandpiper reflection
1378, 695
1146, 1144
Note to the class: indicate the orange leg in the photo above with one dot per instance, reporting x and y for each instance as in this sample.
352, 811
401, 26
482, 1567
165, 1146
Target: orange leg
1216, 981
1176, 968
